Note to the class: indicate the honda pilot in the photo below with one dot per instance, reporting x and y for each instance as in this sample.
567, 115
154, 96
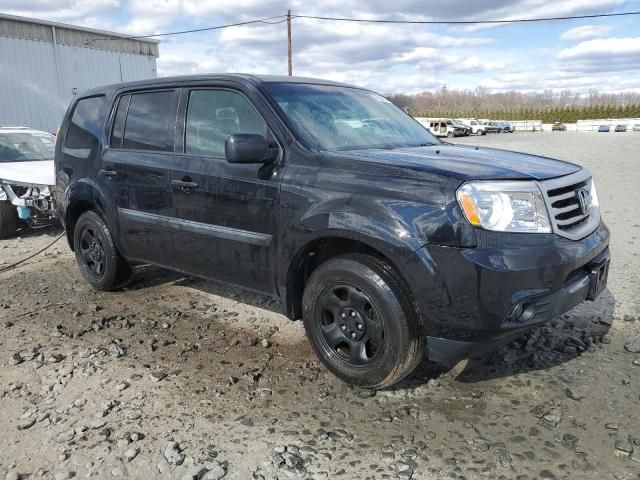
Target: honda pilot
389, 244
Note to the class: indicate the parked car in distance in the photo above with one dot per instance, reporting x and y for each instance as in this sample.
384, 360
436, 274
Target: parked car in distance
506, 127
476, 127
636, 128
620, 128
603, 128
444, 127
492, 127
27, 176
387, 242
466, 128
558, 127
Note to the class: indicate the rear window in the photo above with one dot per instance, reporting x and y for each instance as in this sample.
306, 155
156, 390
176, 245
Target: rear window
150, 121
86, 123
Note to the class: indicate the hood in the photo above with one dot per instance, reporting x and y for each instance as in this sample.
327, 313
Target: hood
40, 172
472, 163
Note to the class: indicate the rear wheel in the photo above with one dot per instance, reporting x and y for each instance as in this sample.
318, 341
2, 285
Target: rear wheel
360, 321
450, 134
100, 262
8, 219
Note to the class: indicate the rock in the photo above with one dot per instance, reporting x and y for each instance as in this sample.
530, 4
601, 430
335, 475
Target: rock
65, 475
246, 422
12, 475
572, 395
55, 358
366, 392
266, 343
157, 376
636, 362
173, 454
216, 471
27, 423
632, 346
611, 426
122, 386
65, 436
130, 454
117, 472
116, 350
635, 456
624, 446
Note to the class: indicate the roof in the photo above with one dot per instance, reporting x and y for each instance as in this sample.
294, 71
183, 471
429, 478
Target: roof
242, 78
65, 34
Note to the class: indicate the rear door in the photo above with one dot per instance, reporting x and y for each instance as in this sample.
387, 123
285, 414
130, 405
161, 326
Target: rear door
226, 215
134, 172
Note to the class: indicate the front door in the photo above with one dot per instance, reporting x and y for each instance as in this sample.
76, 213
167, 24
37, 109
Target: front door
225, 215
135, 170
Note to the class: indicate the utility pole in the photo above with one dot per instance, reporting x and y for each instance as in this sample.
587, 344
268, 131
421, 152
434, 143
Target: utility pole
289, 42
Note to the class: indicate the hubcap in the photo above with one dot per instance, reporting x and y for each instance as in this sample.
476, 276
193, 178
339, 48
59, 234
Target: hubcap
349, 324
92, 251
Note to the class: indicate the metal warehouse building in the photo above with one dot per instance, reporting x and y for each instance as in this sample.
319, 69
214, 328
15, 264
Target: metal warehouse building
43, 65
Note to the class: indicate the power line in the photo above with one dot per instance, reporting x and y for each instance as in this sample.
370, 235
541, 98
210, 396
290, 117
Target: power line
466, 22
282, 18
285, 18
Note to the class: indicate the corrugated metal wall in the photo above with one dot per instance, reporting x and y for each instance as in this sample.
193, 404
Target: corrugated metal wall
35, 90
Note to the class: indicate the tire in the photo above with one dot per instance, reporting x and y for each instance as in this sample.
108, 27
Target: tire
8, 219
450, 134
360, 321
98, 258
483, 132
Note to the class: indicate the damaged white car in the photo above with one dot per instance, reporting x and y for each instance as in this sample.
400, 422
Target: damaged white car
27, 177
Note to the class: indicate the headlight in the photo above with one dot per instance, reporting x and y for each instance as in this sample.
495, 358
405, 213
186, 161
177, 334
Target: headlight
504, 206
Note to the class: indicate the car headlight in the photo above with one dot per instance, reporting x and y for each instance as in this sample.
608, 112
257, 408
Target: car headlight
504, 206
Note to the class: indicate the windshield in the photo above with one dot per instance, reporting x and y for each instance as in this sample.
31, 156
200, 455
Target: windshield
26, 146
341, 118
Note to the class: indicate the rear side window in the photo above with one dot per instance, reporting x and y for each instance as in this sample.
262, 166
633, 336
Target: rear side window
213, 115
150, 121
118, 122
86, 123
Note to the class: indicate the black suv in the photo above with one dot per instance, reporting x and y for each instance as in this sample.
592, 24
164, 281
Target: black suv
384, 240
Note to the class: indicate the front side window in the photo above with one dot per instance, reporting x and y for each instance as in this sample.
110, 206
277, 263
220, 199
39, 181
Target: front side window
150, 121
213, 115
341, 118
86, 123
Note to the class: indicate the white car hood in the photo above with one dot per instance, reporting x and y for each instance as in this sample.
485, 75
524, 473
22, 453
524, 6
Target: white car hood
40, 172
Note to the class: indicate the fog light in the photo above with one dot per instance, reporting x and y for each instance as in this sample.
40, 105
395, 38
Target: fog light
524, 312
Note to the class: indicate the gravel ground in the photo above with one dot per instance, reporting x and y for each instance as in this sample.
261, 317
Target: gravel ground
174, 377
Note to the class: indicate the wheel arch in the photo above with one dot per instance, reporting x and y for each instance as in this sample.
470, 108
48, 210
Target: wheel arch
81, 197
324, 247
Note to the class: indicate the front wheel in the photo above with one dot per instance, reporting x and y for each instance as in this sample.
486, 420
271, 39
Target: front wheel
8, 219
360, 321
450, 134
100, 262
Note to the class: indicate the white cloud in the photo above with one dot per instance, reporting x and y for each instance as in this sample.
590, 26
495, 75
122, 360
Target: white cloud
585, 32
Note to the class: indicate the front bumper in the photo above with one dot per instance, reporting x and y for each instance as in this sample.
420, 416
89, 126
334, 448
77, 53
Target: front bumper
481, 297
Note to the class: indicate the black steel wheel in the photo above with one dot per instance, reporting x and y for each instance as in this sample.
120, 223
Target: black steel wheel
360, 321
350, 325
100, 262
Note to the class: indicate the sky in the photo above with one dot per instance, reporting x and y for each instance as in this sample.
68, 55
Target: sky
586, 54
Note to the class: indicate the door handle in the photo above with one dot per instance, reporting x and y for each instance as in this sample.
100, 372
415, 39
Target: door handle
185, 185
108, 173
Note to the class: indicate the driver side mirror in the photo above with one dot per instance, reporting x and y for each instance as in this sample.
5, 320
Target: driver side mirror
248, 148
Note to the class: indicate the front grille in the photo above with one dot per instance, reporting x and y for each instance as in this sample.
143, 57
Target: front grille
567, 215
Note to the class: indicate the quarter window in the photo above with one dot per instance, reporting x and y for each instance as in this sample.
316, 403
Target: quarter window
150, 121
86, 123
213, 115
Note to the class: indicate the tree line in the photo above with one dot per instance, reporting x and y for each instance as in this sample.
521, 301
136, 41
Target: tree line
549, 106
